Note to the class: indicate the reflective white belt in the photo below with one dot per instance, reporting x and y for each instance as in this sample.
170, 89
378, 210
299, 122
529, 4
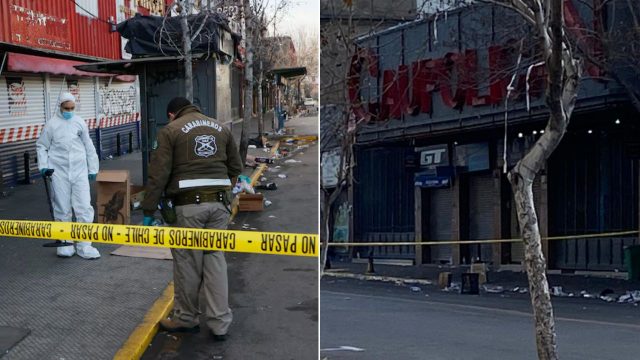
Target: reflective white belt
183, 184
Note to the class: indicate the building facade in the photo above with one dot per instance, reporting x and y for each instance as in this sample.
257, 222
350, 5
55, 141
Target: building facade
340, 24
40, 43
431, 156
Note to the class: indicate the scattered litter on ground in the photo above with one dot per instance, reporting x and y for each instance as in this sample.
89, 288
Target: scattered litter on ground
493, 289
263, 179
344, 348
263, 160
243, 185
630, 297
398, 281
268, 186
455, 286
415, 289
558, 291
252, 147
245, 226
253, 229
278, 167
608, 298
282, 176
267, 203
586, 295
411, 281
520, 290
272, 216
292, 161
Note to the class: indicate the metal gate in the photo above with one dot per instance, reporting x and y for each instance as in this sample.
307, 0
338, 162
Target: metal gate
440, 215
22, 115
384, 201
119, 140
482, 195
593, 188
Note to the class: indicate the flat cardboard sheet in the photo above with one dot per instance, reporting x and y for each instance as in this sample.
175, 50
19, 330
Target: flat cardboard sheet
143, 252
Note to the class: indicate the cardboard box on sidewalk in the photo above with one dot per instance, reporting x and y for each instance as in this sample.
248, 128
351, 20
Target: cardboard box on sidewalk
137, 196
113, 197
250, 202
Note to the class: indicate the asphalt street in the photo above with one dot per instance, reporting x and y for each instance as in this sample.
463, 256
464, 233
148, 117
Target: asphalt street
274, 298
374, 320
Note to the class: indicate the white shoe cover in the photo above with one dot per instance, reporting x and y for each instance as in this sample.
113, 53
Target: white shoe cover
86, 251
66, 251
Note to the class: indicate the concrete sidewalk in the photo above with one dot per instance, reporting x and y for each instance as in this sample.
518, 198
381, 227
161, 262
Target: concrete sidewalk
594, 283
75, 308
274, 298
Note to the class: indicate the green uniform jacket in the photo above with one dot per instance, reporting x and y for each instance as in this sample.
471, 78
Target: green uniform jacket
194, 153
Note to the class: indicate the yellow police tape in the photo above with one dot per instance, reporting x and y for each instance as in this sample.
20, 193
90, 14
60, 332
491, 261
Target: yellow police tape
490, 241
168, 237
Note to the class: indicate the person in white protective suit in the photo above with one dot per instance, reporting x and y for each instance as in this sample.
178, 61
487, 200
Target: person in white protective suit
65, 147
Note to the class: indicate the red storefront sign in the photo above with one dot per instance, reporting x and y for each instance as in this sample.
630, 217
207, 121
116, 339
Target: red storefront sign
410, 89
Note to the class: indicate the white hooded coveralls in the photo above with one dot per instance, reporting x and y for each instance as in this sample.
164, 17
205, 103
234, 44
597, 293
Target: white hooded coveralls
66, 147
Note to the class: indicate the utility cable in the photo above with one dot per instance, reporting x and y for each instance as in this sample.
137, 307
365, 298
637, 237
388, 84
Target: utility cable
90, 14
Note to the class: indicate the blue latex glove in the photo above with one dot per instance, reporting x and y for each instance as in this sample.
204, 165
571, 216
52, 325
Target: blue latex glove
148, 221
42, 171
92, 177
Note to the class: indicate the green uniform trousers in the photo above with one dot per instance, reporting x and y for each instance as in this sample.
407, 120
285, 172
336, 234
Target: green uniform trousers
196, 269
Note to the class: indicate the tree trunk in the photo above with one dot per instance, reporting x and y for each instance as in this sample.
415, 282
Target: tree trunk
326, 209
535, 265
561, 99
260, 104
186, 47
248, 91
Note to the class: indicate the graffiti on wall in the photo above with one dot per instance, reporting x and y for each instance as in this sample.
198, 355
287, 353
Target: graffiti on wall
117, 101
17, 96
74, 89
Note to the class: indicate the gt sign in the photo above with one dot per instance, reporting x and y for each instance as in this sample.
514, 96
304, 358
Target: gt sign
435, 155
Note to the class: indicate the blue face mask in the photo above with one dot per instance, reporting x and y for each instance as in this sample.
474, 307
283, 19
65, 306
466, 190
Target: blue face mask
67, 114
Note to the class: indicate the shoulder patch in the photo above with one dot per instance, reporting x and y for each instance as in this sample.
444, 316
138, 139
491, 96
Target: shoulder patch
205, 145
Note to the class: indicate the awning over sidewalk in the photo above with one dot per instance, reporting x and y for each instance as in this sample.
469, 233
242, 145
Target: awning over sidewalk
40, 64
290, 72
127, 66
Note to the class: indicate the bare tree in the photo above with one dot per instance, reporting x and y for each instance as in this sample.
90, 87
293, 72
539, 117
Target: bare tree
266, 15
564, 70
337, 39
306, 43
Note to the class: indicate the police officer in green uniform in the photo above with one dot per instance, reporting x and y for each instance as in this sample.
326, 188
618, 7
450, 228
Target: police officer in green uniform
195, 162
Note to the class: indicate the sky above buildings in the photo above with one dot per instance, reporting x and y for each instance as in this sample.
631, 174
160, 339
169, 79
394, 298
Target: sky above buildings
303, 14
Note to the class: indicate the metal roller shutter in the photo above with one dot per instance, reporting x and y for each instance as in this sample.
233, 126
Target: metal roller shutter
84, 91
440, 215
109, 139
482, 195
22, 114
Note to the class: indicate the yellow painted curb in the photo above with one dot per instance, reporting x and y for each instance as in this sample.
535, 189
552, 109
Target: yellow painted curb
141, 337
